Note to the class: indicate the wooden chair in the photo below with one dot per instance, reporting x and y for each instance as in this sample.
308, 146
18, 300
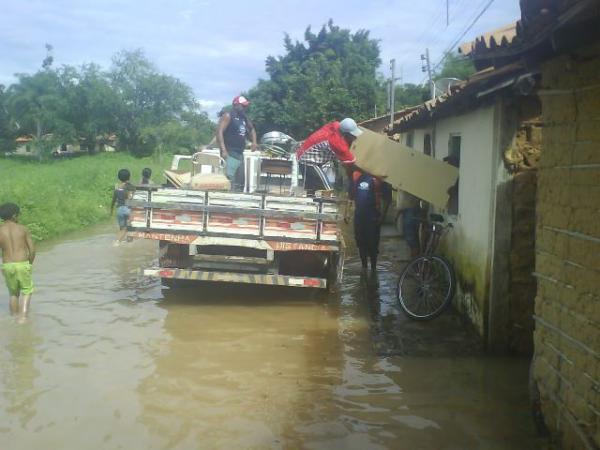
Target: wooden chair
280, 167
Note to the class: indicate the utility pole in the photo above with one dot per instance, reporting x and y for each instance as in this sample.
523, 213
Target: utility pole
426, 67
392, 89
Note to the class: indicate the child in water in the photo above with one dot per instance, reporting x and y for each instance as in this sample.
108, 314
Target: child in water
123, 191
18, 254
146, 174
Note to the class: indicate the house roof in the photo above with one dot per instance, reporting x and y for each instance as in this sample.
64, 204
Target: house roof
540, 20
23, 139
366, 123
386, 117
501, 37
463, 95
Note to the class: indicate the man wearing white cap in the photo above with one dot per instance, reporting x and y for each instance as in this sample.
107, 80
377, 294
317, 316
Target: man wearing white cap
233, 130
331, 141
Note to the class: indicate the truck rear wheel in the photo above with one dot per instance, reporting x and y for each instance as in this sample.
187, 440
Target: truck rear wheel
175, 256
303, 263
332, 273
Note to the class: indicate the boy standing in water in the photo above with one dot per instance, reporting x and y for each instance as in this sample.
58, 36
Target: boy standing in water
121, 194
146, 174
18, 254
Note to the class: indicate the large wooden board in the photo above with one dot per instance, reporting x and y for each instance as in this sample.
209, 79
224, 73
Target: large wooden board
405, 168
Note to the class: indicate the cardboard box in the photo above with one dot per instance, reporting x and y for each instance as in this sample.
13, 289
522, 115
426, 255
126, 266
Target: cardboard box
404, 168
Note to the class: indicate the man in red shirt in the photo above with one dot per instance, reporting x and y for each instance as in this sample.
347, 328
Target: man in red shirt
331, 141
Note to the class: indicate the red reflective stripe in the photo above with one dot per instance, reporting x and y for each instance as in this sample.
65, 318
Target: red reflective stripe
311, 282
166, 273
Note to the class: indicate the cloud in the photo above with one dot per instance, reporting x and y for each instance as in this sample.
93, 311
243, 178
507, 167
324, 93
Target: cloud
219, 48
212, 107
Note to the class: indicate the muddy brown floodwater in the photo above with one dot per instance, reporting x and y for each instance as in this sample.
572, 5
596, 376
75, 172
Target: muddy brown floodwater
108, 360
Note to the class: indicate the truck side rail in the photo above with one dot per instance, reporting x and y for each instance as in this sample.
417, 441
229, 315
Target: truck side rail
242, 211
252, 216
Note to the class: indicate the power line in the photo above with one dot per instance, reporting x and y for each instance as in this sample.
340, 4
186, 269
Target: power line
474, 17
462, 35
454, 17
422, 38
468, 20
458, 7
439, 37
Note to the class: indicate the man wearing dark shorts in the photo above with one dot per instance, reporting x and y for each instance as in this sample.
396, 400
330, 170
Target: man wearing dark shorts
233, 130
372, 198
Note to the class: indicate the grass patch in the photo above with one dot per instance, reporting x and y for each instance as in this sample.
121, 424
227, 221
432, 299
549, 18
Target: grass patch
67, 195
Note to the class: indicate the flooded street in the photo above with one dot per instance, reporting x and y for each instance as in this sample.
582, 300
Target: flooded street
108, 360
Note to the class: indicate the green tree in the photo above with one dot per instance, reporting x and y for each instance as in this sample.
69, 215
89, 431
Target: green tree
37, 106
328, 76
6, 130
150, 102
177, 136
93, 104
149, 111
410, 95
202, 128
456, 66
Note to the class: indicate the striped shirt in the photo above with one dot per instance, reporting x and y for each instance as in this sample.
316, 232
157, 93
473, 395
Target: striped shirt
325, 145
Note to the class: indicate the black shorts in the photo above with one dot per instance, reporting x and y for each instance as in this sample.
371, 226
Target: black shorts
367, 231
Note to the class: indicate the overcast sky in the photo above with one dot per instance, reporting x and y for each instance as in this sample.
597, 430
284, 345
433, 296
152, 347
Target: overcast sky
219, 47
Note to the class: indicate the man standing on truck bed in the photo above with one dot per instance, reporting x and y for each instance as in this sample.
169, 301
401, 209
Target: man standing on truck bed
234, 127
331, 141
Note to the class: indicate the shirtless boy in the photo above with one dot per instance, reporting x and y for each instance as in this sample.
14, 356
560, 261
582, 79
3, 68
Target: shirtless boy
18, 254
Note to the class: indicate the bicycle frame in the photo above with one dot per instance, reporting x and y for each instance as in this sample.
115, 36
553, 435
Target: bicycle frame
435, 232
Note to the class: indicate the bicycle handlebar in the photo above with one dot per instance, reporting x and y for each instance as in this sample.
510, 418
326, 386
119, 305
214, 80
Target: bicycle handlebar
436, 227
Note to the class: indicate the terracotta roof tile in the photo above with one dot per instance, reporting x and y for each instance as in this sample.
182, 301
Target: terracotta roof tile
501, 37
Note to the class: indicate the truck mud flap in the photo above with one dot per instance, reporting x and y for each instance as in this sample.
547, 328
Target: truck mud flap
233, 277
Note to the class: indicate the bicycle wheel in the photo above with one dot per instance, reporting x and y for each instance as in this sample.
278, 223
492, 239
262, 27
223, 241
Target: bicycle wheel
426, 287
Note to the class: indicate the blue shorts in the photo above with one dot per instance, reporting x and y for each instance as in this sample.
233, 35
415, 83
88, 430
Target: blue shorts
123, 213
234, 170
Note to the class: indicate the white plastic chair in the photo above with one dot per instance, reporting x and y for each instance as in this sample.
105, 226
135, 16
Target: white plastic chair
200, 159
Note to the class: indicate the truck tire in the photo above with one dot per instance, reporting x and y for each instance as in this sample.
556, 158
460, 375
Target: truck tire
332, 273
174, 256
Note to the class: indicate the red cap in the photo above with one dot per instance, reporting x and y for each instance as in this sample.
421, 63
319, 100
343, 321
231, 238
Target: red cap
241, 100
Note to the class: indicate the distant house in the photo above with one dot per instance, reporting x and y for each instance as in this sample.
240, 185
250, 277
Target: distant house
23, 145
104, 143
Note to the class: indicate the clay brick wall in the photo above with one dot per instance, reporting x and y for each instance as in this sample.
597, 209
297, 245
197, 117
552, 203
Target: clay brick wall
567, 308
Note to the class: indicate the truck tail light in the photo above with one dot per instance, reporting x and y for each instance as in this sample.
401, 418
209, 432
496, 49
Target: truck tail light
166, 273
311, 282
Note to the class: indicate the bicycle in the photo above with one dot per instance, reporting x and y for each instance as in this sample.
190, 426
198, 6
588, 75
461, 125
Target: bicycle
427, 284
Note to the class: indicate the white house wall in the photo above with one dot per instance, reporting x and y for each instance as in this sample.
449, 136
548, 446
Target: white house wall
469, 243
